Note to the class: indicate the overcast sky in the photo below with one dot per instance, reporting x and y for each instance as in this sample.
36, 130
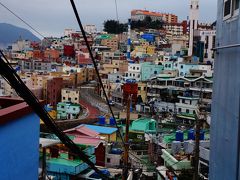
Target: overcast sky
51, 17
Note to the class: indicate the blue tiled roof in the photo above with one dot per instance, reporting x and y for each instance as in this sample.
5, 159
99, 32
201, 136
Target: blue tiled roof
101, 129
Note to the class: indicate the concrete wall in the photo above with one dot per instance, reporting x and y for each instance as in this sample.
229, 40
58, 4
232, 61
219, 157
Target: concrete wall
19, 150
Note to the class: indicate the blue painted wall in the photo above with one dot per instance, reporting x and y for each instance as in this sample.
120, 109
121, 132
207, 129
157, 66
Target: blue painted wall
224, 155
19, 152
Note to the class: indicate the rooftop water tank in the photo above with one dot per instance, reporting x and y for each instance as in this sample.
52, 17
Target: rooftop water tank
116, 151
101, 120
202, 135
191, 135
112, 121
179, 136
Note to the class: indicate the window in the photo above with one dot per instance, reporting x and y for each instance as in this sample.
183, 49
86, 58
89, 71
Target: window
227, 9
139, 88
155, 72
235, 7
108, 160
187, 111
183, 100
179, 110
139, 153
181, 66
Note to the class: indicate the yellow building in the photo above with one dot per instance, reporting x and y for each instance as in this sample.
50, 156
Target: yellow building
151, 50
70, 95
109, 133
142, 90
53, 115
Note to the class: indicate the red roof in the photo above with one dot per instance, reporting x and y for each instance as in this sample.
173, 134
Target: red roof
86, 140
83, 130
83, 60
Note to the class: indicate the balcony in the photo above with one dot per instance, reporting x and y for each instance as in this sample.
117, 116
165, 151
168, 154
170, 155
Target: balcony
153, 94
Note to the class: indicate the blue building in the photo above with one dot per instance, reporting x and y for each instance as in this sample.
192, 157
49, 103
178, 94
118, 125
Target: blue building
19, 139
225, 124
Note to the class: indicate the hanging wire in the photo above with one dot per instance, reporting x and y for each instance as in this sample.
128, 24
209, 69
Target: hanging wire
9, 74
95, 65
22, 20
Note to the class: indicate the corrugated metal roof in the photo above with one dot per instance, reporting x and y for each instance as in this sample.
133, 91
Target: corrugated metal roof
88, 140
102, 129
84, 130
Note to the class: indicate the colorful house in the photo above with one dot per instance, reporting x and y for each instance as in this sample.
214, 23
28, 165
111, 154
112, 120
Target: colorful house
145, 125
149, 69
109, 133
85, 136
68, 110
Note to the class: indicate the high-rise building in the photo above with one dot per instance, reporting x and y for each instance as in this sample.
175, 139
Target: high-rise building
225, 122
193, 23
142, 14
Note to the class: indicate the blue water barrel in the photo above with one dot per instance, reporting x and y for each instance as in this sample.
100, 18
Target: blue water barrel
48, 108
191, 135
202, 135
112, 121
116, 151
101, 120
179, 136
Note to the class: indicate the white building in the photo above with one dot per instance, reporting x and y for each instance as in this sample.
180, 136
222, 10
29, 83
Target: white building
134, 72
209, 39
68, 32
187, 105
21, 45
90, 28
175, 29
193, 21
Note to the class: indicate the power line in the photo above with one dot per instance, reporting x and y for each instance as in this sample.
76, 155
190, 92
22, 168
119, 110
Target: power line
95, 64
9, 74
17, 16
116, 9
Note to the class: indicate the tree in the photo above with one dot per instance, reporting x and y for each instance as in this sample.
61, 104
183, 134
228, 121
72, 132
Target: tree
114, 27
147, 23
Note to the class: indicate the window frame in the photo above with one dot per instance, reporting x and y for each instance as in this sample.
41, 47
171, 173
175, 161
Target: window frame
231, 8
235, 12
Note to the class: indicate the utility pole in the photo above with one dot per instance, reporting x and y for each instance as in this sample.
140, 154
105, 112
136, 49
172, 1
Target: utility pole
199, 117
126, 147
197, 143
44, 164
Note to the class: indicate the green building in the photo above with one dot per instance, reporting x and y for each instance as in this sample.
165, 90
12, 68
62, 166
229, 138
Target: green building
68, 110
149, 69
